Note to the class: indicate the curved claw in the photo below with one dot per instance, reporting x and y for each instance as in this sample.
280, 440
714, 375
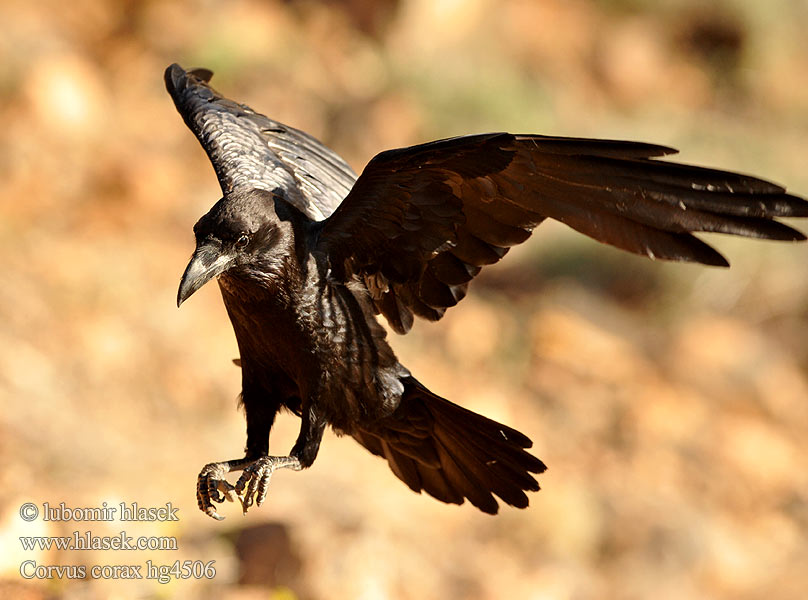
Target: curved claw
256, 478
211, 486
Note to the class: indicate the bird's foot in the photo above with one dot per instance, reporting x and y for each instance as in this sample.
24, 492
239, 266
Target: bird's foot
253, 485
211, 486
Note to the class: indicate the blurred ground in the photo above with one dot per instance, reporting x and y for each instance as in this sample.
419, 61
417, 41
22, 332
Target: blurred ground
670, 402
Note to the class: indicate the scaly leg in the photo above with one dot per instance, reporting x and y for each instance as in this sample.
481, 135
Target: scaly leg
253, 485
211, 485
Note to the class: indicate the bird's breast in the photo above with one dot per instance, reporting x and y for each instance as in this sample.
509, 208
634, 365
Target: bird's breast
327, 341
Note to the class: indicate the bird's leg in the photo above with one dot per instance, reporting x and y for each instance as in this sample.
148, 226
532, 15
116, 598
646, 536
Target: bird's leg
211, 484
308, 441
253, 485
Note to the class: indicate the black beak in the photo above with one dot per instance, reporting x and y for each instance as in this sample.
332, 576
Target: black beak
206, 263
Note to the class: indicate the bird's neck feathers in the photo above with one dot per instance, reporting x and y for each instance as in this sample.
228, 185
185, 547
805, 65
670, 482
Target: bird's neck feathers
278, 272
274, 270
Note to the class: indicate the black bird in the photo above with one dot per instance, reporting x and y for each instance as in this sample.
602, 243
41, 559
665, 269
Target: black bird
307, 254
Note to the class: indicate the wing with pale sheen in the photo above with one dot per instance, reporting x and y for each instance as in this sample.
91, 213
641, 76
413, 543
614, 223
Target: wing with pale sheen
249, 150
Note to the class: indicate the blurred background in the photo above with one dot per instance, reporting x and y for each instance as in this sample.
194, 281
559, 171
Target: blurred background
669, 401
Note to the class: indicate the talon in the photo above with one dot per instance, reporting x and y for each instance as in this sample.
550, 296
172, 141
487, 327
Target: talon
248, 479
251, 488
211, 486
253, 485
211, 512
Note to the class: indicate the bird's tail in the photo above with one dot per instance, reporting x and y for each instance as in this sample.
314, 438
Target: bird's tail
453, 453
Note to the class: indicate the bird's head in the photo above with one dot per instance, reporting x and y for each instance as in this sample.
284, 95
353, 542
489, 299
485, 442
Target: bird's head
241, 230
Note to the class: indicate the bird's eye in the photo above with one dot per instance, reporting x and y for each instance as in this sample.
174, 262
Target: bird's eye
242, 241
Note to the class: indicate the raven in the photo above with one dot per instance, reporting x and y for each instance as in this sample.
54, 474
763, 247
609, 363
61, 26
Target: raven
307, 254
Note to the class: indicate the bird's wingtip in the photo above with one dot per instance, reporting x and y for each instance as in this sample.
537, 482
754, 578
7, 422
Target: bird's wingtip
176, 77
173, 76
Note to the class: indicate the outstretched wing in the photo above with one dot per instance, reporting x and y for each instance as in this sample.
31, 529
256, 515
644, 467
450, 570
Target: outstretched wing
249, 150
421, 222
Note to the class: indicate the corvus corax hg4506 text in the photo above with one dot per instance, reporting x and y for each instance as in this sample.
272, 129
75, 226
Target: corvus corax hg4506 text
307, 255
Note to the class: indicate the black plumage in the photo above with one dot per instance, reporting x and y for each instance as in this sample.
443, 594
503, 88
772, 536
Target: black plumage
307, 255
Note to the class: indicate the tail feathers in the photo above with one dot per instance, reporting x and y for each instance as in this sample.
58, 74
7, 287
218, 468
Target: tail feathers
452, 453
